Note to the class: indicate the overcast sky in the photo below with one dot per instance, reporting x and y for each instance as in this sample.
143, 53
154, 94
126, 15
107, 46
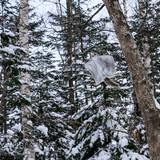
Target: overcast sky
43, 6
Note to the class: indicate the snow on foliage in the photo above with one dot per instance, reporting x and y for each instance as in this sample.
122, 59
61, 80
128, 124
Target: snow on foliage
156, 103
123, 142
10, 49
97, 134
17, 127
133, 156
31, 159
24, 66
102, 155
82, 110
30, 123
37, 149
43, 129
10, 132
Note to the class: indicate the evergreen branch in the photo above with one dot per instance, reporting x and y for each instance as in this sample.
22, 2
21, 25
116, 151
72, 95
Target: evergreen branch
74, 122
71, 121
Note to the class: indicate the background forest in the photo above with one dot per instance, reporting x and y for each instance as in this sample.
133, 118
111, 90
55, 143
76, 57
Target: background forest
69, 117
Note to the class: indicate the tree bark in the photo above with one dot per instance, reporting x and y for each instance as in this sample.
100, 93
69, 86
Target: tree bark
139, 77
25, 79
145, 45
3, 80
125, 8
69, 49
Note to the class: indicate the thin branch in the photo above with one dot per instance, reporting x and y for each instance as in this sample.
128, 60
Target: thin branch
93, 15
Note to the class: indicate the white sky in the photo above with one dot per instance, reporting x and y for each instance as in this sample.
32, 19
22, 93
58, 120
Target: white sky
42, 7
48, 5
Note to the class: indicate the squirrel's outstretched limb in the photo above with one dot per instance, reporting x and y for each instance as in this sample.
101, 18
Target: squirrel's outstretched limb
110, 82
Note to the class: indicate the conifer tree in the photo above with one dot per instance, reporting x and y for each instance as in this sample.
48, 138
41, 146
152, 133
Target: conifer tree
71, 118
10, 100
84, 145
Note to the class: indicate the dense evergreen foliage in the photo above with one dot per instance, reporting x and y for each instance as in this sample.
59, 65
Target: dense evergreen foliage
71, 117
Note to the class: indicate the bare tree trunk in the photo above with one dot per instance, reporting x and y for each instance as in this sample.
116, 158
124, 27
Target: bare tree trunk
4, 106
3, 110
5, 73
1, 106
139, 77
81, 44
69, 48
25, 79
145, 46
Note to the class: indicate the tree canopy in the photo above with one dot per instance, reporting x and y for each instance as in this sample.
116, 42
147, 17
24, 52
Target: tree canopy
68, 117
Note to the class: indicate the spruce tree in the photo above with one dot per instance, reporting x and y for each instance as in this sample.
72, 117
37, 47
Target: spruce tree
11, 135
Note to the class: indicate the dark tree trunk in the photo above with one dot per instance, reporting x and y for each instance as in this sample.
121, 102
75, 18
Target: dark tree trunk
69, 48
3, 78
